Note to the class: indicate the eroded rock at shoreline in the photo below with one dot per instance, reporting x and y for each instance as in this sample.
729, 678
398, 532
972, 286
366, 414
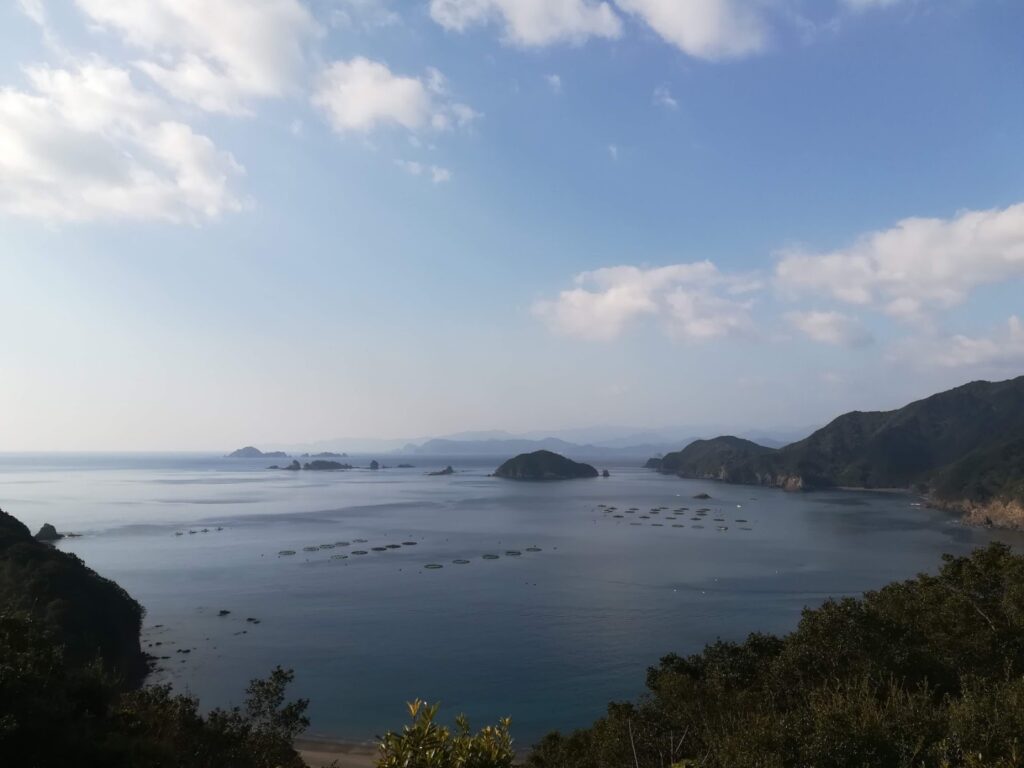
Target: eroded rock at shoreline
446, 471
997, 513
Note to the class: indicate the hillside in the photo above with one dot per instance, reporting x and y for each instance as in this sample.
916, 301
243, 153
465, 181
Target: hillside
92, 616
543, 465
964, 447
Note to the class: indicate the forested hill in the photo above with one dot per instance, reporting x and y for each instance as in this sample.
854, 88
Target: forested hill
962, 446
92, 617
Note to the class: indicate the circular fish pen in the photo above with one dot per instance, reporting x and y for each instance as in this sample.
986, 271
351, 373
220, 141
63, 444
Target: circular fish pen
286, 552
433, 566
461, 562
360, 552
490, 557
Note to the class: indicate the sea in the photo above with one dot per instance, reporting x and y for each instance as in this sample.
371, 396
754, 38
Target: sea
537, 601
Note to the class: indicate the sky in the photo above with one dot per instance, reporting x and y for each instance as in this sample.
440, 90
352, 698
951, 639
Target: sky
230, 222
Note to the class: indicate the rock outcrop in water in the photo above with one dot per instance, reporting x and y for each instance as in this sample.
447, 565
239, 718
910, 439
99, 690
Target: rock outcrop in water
48, 533
446, 471
543, 465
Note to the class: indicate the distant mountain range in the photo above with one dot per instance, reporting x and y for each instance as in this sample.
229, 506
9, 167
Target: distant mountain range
600, 442
964, 448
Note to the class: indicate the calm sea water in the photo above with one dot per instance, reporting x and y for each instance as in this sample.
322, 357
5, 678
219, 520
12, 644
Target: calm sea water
547, 637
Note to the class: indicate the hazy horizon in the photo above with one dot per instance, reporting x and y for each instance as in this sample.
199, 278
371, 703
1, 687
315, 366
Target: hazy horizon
331, 218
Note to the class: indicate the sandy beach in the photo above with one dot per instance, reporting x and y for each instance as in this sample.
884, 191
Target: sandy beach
318, 754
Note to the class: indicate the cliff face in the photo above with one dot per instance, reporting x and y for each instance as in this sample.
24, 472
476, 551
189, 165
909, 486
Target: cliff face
92, 616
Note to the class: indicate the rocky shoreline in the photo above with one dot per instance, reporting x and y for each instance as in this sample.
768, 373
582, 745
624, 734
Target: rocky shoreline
997, 513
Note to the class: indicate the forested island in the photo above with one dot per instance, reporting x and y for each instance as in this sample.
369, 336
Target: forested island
963, 449
543, 465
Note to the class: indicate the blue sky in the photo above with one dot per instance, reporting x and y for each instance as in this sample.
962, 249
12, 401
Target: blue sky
276, 221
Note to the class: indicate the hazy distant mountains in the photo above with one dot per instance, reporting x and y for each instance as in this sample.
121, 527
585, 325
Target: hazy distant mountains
502, 448
601, 442
964, 447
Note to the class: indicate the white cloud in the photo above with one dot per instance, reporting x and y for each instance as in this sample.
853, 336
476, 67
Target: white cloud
361, 95
613, 151
1004, 348
917, 266
531, 23
217, 54
85, 144
705, 29
686, 297
35, 10
437, 174
554, 83
663, 98
830, 328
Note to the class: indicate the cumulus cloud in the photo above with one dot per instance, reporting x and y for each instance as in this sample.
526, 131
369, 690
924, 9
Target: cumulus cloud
360, 95
830, 328
1003, 348
915, 267
217, 54
84, 143
531, 23
705, 29
554, 83
694, 301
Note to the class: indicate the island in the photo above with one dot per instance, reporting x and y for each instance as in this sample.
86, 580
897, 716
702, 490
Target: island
250, 452
325, 455
320, 465
543, 465
446, 471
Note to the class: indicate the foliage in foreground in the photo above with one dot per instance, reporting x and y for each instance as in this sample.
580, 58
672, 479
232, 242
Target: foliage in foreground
928, 672
54, 712
425, 744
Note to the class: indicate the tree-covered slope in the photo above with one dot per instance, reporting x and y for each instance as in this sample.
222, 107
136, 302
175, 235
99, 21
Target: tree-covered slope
543, 465
93, 617
927, 673
959, 444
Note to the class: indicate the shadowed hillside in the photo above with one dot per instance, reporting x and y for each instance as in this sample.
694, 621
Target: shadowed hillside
962, 447
93, 616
